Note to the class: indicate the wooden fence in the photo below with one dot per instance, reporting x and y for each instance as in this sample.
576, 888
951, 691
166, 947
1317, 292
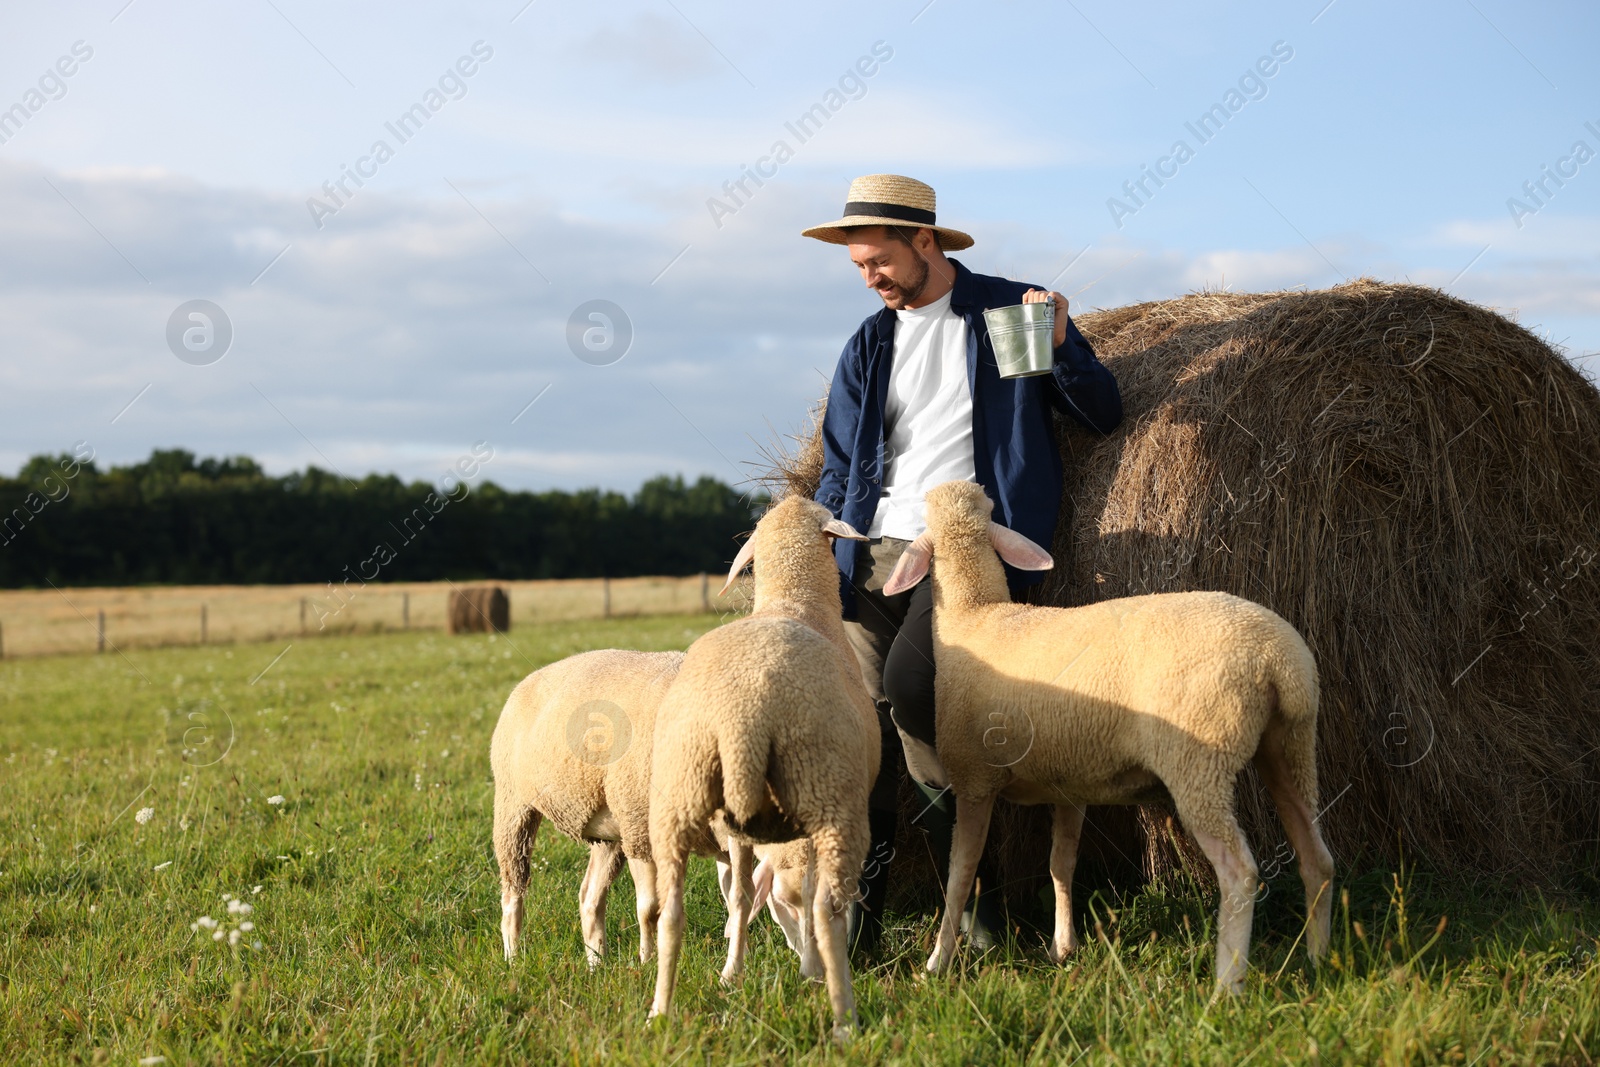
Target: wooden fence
49, 621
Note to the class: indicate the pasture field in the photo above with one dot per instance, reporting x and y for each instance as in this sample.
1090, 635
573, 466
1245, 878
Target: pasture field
374, 904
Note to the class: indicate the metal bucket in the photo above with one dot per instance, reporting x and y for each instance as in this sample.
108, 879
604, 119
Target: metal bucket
1023, 338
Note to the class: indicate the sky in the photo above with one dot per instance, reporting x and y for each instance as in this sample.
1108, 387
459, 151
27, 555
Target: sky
565, 154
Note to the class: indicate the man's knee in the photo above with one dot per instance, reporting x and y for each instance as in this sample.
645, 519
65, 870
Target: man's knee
910, 693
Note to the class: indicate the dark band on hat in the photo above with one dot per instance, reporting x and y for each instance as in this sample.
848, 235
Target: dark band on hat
889, 211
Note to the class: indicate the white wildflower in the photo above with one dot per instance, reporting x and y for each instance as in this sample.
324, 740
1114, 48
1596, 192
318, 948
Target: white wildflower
151, 1061
256, 945
227, 896
234, 937
144, 815
275, 800
205, 922
93, 908
445, 754
183, 822
247, 926
254, 890
163, 866
219, 935
239, 907
416, 782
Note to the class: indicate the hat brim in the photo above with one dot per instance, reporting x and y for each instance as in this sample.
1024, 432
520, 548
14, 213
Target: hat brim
834, 232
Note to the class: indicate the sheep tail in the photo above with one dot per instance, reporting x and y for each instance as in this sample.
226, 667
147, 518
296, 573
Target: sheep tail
744, 753
1296, 682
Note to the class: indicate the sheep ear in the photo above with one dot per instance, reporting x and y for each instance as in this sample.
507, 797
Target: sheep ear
840, 528
740, 562
910, 568
1017, 550
761, 881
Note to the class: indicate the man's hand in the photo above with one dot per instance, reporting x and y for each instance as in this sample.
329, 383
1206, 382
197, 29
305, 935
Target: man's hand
1039, 296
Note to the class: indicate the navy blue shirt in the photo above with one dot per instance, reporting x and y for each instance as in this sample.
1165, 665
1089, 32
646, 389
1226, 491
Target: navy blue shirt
1013, 439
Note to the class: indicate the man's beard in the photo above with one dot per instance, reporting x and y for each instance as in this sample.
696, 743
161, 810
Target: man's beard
901, 295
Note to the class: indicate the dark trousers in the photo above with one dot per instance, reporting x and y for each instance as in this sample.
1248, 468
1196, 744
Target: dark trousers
893, 641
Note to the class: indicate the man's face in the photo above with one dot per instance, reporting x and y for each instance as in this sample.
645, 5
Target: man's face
896, 271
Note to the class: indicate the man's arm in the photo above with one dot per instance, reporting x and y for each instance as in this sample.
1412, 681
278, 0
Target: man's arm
1084, 390
839, 427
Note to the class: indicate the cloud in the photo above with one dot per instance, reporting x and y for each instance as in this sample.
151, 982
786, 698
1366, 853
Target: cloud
409, 328
652, 47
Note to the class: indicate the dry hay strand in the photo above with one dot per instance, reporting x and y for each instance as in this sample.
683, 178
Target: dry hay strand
781, 470
1414, 483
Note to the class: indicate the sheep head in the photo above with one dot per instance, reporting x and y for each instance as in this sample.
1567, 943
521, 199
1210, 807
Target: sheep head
958, 514
792, 525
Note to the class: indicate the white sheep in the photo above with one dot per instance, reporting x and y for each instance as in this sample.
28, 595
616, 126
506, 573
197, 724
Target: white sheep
768, 734
786, 880
1116, 702
573, 745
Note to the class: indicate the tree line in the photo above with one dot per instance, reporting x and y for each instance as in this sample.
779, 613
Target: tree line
173, 519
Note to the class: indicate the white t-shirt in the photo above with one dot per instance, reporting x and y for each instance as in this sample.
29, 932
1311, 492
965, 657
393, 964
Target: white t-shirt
928, 417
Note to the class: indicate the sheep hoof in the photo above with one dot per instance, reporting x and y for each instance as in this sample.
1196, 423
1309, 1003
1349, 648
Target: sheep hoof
843, 1035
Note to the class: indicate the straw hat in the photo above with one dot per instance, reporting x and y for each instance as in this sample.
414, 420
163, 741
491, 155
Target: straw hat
888, 200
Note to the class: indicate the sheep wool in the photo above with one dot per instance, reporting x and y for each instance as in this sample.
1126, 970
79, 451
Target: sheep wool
768, 735
1119, 702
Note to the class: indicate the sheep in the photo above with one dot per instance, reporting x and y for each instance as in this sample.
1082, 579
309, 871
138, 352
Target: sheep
1116, 702
786, 880
573, 746
768, 735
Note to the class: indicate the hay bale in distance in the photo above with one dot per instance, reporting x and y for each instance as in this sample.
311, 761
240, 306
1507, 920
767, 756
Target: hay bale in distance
479, 609
1412, 481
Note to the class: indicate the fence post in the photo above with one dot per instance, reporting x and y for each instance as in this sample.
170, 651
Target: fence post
100, 630
605, 592
302, 615
202, 623
405, 611
705, 592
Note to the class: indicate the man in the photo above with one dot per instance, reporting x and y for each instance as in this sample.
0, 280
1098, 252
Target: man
917, 399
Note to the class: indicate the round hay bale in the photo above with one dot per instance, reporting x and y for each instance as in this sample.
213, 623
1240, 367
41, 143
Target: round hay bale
478, 609
1413, 482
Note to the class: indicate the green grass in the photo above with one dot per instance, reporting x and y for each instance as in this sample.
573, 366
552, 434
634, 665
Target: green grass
378, 906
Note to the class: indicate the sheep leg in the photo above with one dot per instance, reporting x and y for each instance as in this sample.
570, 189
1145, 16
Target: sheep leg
1063, 861
738, 895
515, 827
829, 909
811, 965
1229, 854
644, 888
966, 848
1298, 815
605, 860
670, 886
725, 888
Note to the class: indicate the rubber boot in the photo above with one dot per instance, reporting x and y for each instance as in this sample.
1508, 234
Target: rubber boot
983, 920
866, 912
